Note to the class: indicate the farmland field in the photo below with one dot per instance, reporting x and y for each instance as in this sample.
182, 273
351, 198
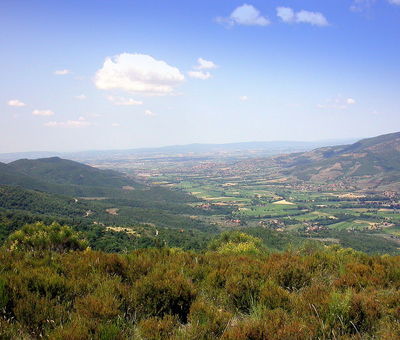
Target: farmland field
252, 196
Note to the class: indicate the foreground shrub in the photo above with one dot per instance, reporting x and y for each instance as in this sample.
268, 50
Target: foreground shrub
272, 325
156, 328
161, 293
207, 321
164, 294
273, 296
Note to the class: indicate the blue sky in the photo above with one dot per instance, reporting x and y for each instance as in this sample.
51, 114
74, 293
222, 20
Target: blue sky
110, 74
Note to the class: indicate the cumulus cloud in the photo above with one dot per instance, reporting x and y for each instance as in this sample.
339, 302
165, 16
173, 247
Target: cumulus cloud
62, 72
122, 101
138, 73
243, 98
288, 15
246, 15
42, 112
15, 103
199, 75
149, 113
394, 2
79, 123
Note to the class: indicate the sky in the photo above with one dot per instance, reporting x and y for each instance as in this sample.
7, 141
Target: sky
117, 74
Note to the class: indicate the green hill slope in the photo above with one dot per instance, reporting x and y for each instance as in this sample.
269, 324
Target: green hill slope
63, 171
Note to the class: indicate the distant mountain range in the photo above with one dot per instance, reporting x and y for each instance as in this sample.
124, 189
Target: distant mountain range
257, 148
372, 163
369, 163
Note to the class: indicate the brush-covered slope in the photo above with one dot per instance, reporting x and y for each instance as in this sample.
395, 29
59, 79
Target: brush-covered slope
371, 163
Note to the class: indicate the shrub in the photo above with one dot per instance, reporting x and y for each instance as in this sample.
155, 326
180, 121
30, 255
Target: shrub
206, 320
41, 237
155, 328
161, 293
237, 243
273, 296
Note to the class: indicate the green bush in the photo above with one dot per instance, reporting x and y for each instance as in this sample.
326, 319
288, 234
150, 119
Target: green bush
163, 292
40, 237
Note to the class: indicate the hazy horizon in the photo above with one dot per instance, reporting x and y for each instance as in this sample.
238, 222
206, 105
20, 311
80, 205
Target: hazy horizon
321, 141
122, 74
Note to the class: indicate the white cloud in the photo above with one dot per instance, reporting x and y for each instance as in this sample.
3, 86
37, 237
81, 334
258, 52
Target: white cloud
79, 123
288, 15
115, 124
350, 101
204, 64
313, 18
246, 15
138, 73
61, 72
149, 113
394, 2
243, 98
199, 75
42, 112
121, 101
15, 103
338, 103
81, 97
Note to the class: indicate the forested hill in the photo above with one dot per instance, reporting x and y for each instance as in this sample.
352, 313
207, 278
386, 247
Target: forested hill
61, 176
9, 176
102, 203
63, 171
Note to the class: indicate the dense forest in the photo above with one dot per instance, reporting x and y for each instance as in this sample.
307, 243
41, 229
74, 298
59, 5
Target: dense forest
53, 286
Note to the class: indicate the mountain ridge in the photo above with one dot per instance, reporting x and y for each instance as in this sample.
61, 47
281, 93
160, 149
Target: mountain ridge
371, 162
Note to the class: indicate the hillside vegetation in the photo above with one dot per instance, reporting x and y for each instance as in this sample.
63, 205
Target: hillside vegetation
52, 287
